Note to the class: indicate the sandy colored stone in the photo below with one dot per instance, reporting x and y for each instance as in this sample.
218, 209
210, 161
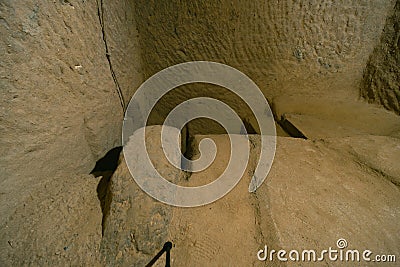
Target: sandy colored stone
316, 195
381, 83
309, 47
135, 224
379, 153
223, 233
57, 224
67, 65
318, 118
60, 111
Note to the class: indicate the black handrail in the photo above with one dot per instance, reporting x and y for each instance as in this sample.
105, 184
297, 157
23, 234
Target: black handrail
166, 248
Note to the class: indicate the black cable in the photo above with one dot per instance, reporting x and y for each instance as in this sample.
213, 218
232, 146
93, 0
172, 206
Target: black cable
166, 248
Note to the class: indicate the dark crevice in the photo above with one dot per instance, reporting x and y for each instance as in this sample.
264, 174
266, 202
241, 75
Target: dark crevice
290, 129
187, 148
249, 128
285, 125
100, 13
105, 168
109, 162
186, 141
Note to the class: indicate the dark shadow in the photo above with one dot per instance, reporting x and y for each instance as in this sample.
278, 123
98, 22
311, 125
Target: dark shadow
105, 168
109, 162
289, 128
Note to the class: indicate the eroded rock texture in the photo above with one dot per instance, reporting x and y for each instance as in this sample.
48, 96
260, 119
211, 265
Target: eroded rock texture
285, 46
60, 109
60, 112
69, 68
58, 224
136, 225
303, 48
381, 82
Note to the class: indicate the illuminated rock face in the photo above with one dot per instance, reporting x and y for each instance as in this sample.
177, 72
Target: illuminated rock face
69, 67
60, 112
381, 82
302, 48
316, 193
287, 47
61, 102
60, 109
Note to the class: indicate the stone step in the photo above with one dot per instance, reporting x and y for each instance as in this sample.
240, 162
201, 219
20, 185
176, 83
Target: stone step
324, 118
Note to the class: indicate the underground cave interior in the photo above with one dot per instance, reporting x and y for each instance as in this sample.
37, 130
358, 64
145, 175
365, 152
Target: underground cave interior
330, 72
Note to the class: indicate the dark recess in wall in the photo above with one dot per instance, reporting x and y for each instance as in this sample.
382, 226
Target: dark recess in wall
107, 163
105, 168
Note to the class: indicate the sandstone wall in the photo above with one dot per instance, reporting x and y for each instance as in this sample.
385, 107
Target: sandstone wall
287, 47
69, 67
381, 83
60, 109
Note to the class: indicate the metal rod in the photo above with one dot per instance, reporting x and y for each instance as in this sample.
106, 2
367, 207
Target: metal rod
166, 248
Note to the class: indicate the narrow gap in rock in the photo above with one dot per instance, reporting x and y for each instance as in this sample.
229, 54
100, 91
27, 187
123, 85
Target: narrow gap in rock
290, 129
105, 168
287, 129
187, 144
186, 148
100, 13
249, 128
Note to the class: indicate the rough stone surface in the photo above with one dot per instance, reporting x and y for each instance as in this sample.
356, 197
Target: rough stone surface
60, 110
57, 224
69, 67
381, 83
318, 118
135, 224
310, 47
123, 44
313, 48
222, 233
379, 153
316, 193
